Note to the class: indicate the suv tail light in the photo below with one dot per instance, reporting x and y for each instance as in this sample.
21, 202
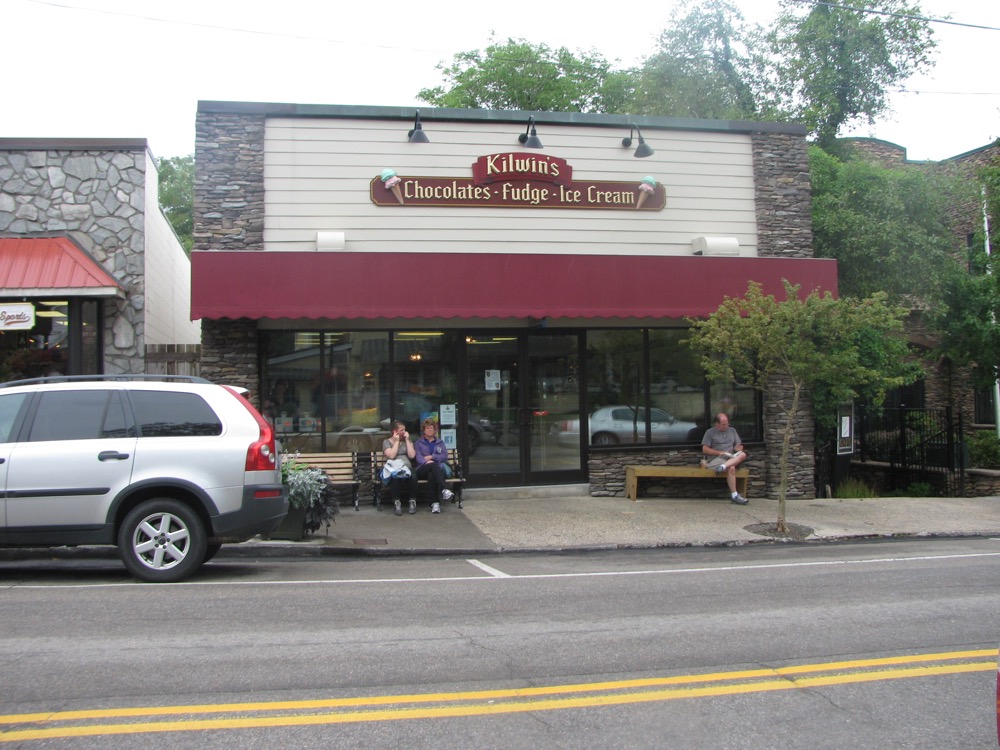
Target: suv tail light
262, 453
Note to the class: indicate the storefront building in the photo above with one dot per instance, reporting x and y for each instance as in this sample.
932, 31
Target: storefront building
92, 277
528, 282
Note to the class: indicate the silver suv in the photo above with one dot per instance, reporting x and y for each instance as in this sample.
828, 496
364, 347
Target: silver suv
166, 468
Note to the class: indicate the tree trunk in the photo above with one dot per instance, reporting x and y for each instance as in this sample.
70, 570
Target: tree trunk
786, 442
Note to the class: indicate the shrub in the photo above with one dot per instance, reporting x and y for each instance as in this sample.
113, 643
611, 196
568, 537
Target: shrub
916, 489
853, 488
310, 489
984, 450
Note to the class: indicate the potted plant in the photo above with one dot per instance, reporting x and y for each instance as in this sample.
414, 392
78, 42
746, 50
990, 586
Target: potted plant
312, 500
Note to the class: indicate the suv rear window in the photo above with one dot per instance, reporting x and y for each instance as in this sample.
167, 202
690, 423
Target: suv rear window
168, 414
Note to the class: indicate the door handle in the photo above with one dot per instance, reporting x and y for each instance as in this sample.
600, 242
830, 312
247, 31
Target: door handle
111, 456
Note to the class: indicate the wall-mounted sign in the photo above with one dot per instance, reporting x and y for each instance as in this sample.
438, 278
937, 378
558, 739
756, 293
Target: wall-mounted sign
17, 316
517, 181
845, 429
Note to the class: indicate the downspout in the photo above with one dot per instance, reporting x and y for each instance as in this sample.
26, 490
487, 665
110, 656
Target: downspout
989, 270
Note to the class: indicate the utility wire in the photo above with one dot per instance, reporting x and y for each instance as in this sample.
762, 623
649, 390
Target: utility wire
899, 15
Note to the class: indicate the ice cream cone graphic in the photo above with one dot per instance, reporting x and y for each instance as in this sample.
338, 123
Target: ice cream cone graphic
646, 189
391, 182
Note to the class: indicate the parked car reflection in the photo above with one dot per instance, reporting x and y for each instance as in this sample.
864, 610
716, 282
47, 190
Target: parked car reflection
626, 425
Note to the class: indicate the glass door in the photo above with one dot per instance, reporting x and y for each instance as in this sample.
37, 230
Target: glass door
522, 396
552, 408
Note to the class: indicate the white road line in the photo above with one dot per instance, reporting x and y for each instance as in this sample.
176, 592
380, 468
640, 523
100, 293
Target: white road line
486, 568
8, 587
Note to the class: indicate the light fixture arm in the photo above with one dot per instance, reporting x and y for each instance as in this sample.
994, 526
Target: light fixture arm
532, 140
643, 149
417, 134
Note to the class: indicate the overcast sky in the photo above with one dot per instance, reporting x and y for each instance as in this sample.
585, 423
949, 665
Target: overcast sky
137, 68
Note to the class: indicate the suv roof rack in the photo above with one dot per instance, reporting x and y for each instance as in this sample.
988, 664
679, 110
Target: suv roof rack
110, 378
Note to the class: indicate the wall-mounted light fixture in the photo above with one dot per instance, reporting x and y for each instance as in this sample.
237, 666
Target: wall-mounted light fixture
643, 150
417, 134
530, 141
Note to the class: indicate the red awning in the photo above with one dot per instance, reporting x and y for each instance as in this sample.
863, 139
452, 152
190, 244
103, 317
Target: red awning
51, 266
472, 285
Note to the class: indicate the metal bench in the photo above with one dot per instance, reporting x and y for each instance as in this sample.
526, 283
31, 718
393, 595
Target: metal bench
633, 472
340, 468
455, 483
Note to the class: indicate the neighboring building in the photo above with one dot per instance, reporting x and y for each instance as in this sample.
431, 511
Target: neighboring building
92, 277
512, 288
944, 384
946, 391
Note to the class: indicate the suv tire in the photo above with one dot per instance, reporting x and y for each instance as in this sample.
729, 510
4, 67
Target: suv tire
162, 540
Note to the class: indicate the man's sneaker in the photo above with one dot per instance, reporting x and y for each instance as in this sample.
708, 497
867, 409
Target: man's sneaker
399, 508
413, 506
447, 494
720, 469
435, 507
739, 499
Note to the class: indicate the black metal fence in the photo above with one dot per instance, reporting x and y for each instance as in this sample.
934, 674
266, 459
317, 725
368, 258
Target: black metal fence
918, 446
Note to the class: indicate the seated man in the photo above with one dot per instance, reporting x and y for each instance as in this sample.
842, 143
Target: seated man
723, 444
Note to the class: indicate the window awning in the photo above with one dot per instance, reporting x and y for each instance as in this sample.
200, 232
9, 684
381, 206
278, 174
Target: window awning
471, 285
52, 266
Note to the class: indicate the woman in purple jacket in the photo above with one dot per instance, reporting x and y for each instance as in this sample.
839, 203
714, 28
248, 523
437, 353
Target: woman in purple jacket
432, 455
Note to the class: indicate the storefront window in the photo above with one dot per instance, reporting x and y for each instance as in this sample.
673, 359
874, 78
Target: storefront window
322, 388
40, 351
672, 408
739, 403
425, 376
677, 383
615, 368
91, 359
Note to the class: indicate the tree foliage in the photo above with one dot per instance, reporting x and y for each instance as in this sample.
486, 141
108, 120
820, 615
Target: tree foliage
708, 64
827, 66
535, 78
837, 64
833, 350
890, 229
176, 188
968, 315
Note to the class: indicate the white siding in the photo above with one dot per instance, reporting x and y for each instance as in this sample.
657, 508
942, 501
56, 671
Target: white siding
167, 276
317, 174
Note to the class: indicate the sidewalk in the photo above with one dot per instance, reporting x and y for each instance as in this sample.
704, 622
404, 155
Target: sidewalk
506, 521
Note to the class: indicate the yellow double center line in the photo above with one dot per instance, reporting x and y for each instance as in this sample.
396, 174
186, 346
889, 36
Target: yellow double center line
96, 722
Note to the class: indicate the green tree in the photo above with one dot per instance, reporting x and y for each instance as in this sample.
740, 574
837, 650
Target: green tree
838, 64
889, 229
176, 188
833, 350
709, 64
968, 315
535, 78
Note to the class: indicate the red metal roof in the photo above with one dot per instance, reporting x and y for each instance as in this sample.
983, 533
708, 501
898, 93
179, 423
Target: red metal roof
472, 285
43, 266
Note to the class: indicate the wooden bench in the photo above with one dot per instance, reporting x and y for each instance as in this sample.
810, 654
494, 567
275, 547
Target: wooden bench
633, 472
340, 468
455, 483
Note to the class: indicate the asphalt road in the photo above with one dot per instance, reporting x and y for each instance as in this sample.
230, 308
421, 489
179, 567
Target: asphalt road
876, 645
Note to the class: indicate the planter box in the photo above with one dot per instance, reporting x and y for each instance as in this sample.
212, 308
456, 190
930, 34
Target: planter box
292, 527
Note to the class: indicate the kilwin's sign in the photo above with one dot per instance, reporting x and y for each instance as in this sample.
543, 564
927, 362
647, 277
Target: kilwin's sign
517, 181
17, 316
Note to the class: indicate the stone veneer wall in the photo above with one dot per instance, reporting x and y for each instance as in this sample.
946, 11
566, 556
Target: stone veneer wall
884, 152
783, 195
229, 182
229, 354
97, 198
229, 215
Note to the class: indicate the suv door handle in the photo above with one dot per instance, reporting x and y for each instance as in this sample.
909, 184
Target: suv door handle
111, 456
